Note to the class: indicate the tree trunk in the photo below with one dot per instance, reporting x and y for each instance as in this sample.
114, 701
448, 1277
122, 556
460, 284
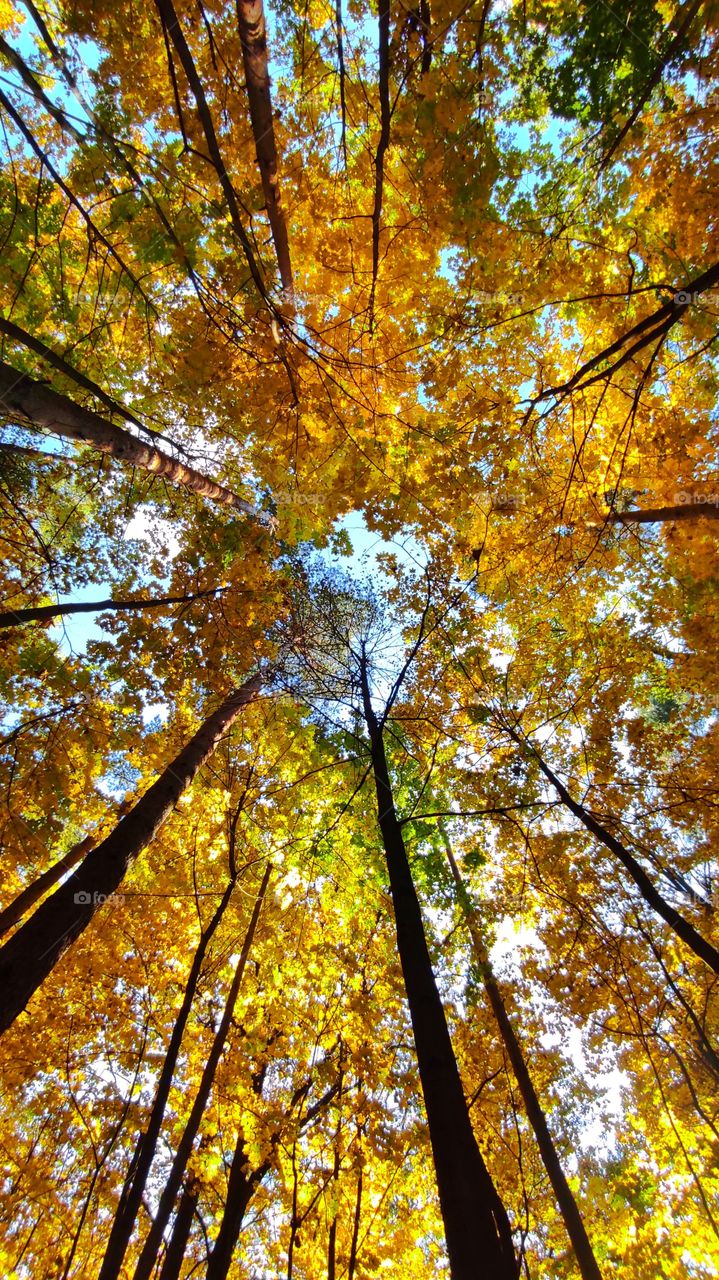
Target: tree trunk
352, 1264
138, 1172
240, 1190
150, 1249
384, 22
46, 353
253, 34
20, 905
658, 515
181, 1227
20, 394
567, 1204
32, 953
173, 31
46, 612
651, 895
475, 1220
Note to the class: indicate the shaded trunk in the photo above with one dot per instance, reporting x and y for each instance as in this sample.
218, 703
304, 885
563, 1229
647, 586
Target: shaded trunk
32, 953
382, 145
151, 1247
29, 340
567, 1204
659, 515
244, 1181
181, 1227
352, 1264
240, 1189
21, 394
332, 1236
651, 895
341, 69
253, 34
20, 905
138, 1172
46, 612
475, 1220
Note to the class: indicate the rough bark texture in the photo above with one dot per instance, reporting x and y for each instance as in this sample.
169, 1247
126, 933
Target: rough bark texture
535, 1114
31, 954
151, 1247
253, 34
58, 362
479, 1239
21, 394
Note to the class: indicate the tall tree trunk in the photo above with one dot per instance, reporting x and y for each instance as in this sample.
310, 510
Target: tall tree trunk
181, 1227
567, 1204
385, 115
253, 34
332, 1236
475, 1220
21, 394
32, 953
20, 905
651, 895
46, 353
150, 1249
336, 1163
342, 76
243, 1183
138, 1172
354, 1245
173, 30
46, 612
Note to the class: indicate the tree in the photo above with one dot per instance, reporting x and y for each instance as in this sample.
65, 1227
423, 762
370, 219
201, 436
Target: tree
293, 298
474, 1217
46, 612
62, 918
331, 639
47, 408
567, 1204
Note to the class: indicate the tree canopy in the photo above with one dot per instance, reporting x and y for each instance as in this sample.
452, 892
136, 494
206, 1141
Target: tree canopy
359, 491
